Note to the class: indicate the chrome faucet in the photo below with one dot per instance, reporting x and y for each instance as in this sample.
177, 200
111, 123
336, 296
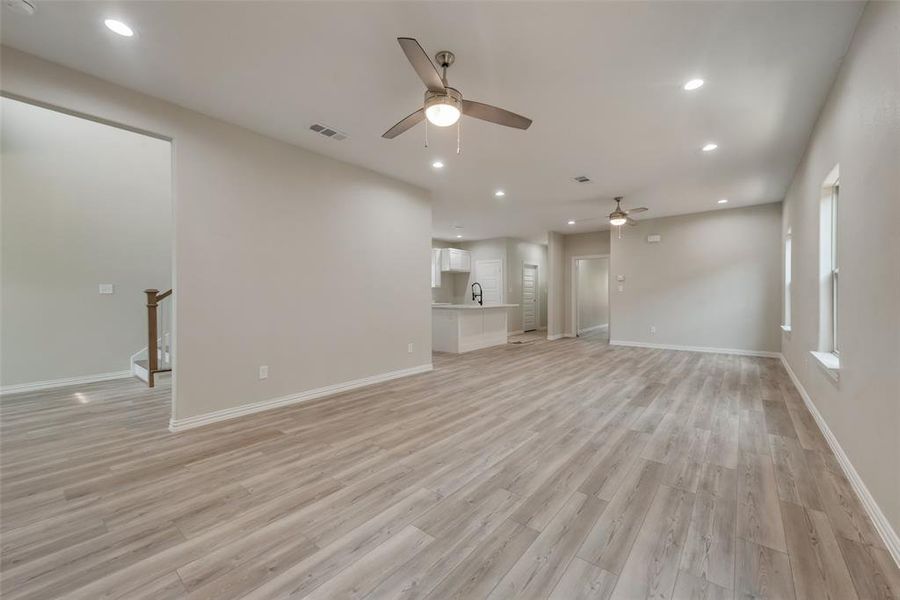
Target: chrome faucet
477, 296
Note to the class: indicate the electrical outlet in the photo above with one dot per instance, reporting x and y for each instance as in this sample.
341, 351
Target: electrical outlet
409, 348
106, 288
653, 330
263, 371
621, 288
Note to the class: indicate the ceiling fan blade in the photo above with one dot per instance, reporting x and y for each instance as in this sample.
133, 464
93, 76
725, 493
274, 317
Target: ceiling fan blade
486, 112
422, 64
405, 123
639, 209
630, 221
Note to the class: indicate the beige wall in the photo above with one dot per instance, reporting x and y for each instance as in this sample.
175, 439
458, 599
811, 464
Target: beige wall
714, 281
592, 306
579, 244
82, 204
556, 263
283, 257
859, 129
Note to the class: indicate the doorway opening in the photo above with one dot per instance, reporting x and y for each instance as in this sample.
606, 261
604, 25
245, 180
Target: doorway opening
87, 229
590, 296
531, 307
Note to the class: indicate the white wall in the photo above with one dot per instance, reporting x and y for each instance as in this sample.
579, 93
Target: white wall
592, 306
713, 281
859, 129
82, 204
283, 257
579, 244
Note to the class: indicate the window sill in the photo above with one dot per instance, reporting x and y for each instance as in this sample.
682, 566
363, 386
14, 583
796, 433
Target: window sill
829, 362
786, 328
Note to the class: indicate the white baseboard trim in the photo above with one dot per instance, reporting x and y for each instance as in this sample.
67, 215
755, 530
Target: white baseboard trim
882, 525
37, 386
516, 332
555, 336
737, 351
176, 425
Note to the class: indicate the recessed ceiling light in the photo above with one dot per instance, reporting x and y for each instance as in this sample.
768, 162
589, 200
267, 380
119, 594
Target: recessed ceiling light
499, 193
119, 27
709, 147
723, 201
693, 84
437, 164
571, 222
458, 236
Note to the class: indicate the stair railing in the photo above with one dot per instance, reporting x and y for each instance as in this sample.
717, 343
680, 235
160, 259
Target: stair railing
159, 351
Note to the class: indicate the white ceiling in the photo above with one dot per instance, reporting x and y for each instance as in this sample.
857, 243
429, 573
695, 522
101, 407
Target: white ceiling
602, 82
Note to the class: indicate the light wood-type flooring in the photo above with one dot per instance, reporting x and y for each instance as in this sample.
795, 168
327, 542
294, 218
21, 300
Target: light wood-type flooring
564, 470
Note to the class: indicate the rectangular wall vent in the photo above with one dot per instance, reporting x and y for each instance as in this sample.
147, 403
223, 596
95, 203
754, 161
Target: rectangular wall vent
582, 179
329, 132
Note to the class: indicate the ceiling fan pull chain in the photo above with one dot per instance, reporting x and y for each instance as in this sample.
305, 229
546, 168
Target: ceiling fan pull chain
457, 134
426, 133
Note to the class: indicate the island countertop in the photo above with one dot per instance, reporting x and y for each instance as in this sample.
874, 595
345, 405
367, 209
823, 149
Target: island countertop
471, 306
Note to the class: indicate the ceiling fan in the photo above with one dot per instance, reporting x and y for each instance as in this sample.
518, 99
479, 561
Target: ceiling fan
620, 217
443, 104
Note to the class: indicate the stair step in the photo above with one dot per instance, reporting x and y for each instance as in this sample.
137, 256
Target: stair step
160, 368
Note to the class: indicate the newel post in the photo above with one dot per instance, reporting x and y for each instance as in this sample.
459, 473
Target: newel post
152, 356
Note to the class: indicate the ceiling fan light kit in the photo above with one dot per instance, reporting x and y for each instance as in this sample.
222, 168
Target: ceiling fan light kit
443, 110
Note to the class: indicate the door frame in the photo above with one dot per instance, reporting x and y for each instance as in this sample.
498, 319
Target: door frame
500, 284
573, 290
537, 296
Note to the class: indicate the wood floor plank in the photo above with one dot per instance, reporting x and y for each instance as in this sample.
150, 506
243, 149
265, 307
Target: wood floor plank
480, 572
689, 587
413, 487
359, 578
817, 564
762, 573
584, 581
609, 541
793, 476
540, 568
709, 549
652, 566
874, 572
759, 514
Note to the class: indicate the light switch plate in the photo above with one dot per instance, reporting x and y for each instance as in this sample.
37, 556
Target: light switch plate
263, 371
106, 288
620, 278
654, 239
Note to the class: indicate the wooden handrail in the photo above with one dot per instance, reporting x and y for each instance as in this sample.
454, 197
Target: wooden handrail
153, 299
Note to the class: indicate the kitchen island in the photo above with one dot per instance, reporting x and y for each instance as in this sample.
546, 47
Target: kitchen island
462, 328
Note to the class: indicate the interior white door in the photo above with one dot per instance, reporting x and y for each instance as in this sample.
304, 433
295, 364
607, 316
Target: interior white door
529, 298
489, 273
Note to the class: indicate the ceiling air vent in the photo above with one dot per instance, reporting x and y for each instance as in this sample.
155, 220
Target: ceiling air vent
329, 132
582, 179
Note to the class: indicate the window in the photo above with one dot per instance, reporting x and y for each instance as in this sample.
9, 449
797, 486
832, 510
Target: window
828, 352
787, 282
835, 193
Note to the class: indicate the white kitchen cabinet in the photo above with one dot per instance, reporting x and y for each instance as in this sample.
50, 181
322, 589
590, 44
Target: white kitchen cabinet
456, 260
435, 267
